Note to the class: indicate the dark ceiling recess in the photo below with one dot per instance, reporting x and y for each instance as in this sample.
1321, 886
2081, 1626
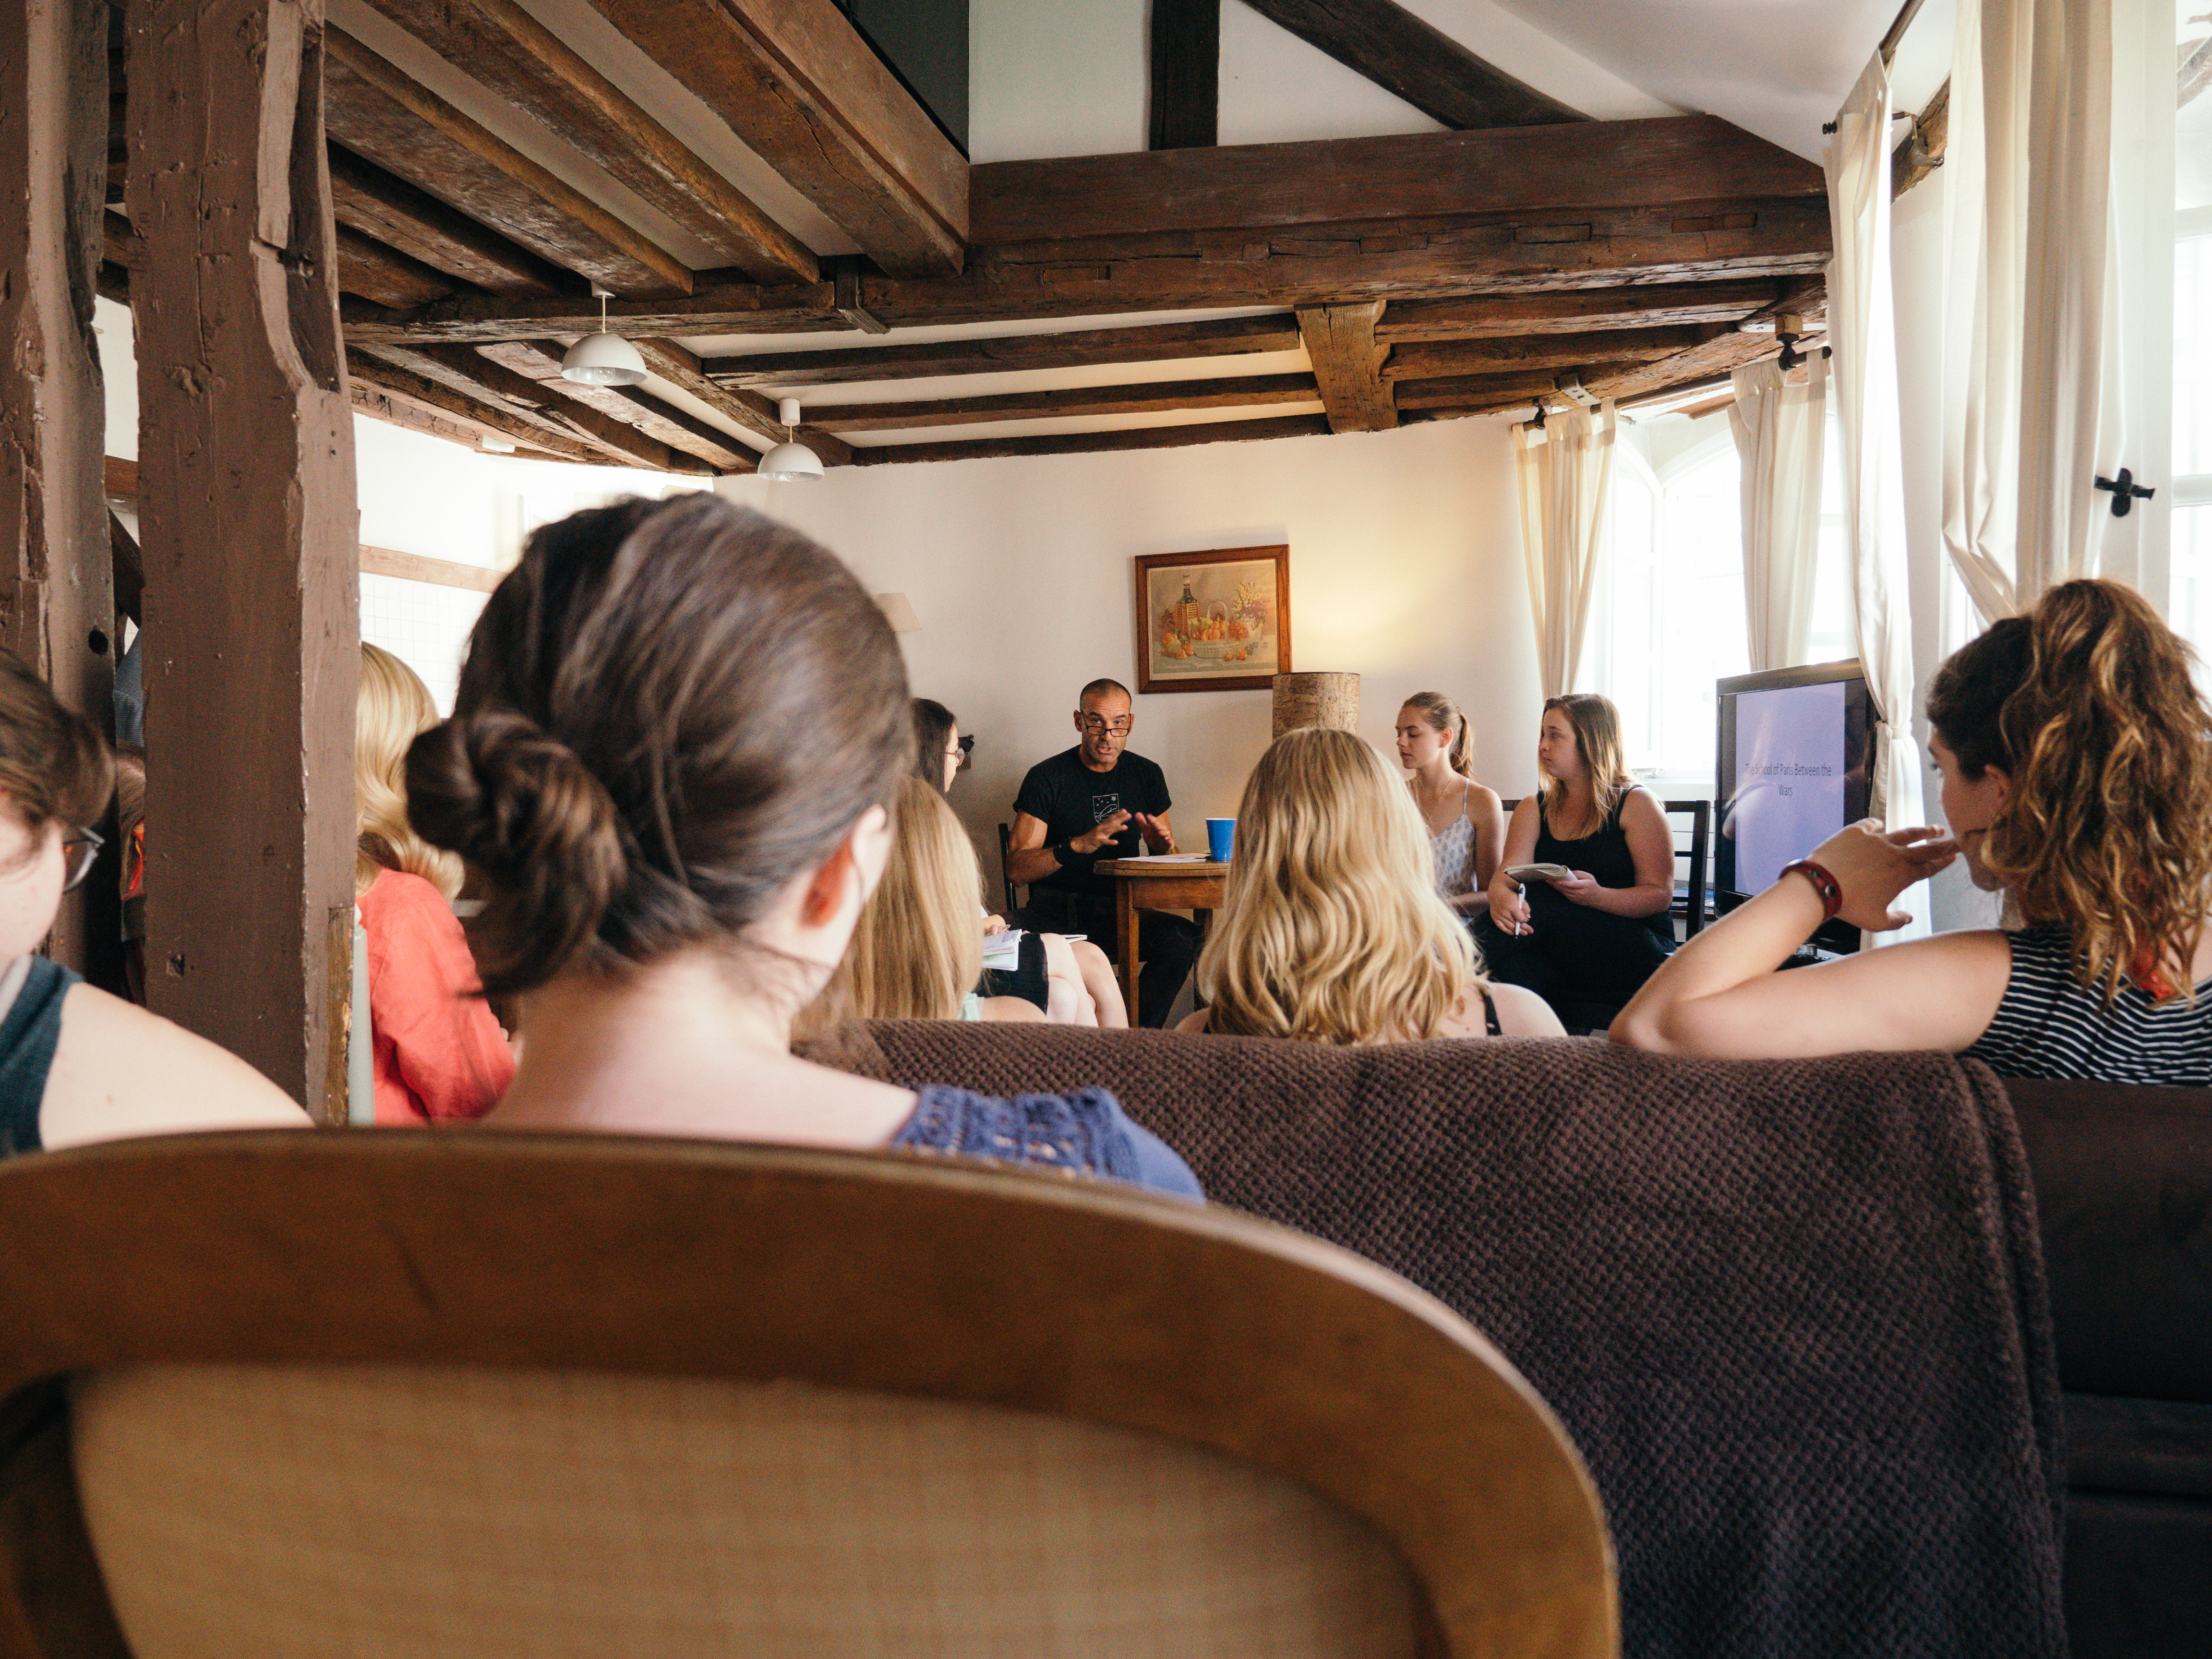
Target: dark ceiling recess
925, 42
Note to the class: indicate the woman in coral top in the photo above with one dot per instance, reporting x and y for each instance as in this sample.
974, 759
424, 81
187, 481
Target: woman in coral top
440, 1055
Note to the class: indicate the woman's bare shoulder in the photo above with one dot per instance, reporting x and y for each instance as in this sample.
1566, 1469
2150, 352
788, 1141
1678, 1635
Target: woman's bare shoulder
120, 1071
1521, 1012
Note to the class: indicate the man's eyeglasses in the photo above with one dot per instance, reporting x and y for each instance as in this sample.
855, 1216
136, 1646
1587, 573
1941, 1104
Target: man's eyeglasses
80, 852
1095, 725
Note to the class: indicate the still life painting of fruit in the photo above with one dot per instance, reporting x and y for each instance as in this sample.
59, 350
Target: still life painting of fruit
1213, 620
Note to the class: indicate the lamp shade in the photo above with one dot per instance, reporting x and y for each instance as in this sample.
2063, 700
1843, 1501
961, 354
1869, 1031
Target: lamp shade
790, 463
603, 360
898, 612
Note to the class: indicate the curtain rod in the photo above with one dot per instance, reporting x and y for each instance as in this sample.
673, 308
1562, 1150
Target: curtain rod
1897, 29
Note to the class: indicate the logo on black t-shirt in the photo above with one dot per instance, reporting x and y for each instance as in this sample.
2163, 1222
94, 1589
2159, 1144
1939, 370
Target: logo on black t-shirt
1103, 807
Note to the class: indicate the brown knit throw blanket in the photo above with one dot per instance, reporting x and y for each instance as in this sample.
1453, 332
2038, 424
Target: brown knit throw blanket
1792, 1313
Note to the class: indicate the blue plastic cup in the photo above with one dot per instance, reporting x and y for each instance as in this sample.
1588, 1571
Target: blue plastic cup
1220, 839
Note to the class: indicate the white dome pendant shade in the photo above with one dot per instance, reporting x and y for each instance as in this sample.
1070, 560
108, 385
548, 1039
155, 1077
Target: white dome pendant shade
790, 461
603, 359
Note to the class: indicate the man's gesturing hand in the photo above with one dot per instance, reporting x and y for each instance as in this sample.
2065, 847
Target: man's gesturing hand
1103, 831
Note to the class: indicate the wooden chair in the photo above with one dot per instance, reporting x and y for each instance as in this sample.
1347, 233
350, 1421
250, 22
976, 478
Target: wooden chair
1699, 854
1005, 864
487, 1395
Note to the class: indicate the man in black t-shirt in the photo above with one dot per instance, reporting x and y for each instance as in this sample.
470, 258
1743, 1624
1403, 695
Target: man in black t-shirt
1097, 801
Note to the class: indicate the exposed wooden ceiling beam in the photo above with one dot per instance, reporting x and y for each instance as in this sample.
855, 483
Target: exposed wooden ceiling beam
1422, 64
1603, 249
516, 57
1184, 272
381, 405
1145, 343
1232, 392
676, 364
1720, 355
406, 384
1573, 311
1921, 152
796, 82
1184, 89
723, 308
394, 212
1561, 174
619, 437
1084, 443
368, 267
1432, 359
1347, 363
541, 364
376, 109
1488, 391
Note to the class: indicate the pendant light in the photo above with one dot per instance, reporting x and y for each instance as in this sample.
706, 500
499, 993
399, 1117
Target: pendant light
790, 461
603, 359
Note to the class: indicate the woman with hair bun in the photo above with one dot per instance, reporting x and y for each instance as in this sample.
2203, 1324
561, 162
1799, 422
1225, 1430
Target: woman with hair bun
77, 1064
439, 1056
2076, 758
1331, 929
1465, 820
671, 759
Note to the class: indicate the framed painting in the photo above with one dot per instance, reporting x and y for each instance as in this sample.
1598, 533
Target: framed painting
1215, 621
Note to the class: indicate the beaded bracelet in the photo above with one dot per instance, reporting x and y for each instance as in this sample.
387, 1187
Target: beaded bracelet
1824, 883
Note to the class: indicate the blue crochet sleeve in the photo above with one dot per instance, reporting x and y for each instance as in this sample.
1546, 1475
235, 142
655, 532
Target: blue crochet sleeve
1084, 1132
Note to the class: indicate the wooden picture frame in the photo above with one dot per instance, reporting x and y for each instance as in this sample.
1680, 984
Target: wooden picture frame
1236, 601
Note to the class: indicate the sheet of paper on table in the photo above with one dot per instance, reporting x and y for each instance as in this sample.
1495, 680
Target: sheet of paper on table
1167, 858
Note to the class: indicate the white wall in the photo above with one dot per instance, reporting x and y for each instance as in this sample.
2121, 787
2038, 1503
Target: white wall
1405, 568
1069, 77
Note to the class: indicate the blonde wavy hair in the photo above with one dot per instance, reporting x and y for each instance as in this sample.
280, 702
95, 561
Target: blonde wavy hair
1331, 929
1596, 725
394, 709
2088, 705
918, 948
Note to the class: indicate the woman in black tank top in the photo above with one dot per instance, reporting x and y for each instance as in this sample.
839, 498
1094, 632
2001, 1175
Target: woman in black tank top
1596, 935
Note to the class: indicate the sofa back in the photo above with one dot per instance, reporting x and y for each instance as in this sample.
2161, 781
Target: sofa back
2124, 1191
1790, 1313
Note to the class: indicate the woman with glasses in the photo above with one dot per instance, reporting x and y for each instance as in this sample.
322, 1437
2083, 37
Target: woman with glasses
941, 749
76, 1064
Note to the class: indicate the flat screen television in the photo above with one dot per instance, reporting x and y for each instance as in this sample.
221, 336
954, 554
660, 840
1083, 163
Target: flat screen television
1796, 747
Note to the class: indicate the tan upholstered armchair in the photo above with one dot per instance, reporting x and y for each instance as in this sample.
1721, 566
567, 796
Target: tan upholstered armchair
469, 1394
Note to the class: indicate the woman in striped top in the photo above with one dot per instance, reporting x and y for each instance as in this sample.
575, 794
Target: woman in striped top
2076, 758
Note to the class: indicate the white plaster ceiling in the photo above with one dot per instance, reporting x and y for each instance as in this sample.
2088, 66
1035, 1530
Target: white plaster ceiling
1777, 68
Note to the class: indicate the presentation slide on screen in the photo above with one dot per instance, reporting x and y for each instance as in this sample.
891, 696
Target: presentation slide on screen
1789, 777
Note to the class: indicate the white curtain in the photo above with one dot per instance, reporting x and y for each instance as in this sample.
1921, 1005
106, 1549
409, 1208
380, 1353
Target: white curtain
1781, 433
2031, 391
1564, 470
1862, 330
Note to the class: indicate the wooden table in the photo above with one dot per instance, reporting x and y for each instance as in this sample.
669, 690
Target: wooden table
1194, 885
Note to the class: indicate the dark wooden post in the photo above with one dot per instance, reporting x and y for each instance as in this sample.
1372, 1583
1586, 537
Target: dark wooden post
1186, 78
248, 526
56, 591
